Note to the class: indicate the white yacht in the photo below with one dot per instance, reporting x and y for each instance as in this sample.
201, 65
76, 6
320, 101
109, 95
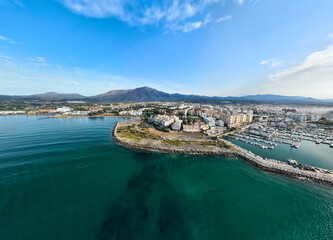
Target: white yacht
295, 145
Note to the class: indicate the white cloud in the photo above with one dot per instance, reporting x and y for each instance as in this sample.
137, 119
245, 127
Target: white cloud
188, 27
271, 62
7, 39
174, 15
18, 3
240, 2
37, 59
4, 57
312, 77
191, 26
40, 61
224, 18
329, 36
208, 19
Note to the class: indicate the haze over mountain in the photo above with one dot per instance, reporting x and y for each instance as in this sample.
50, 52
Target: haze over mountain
146, 94
47, 96
279, 99
54, 95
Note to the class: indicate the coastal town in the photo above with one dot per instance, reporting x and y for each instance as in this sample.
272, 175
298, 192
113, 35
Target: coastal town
265, 120
207, 130
166, 120
206, 127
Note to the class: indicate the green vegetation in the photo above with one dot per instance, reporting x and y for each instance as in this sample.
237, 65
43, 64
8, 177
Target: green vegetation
325, 122
39, 104
163, 129
173, 142
233, 129
96, 113
220, 144
136, 132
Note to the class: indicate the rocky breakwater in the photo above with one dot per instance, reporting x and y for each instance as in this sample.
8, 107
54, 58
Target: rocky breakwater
322, 176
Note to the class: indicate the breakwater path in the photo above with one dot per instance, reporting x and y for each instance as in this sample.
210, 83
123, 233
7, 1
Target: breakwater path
318, 175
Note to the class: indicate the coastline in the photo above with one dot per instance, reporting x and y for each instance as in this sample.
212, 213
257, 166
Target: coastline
237, 152
70, 116
47, 116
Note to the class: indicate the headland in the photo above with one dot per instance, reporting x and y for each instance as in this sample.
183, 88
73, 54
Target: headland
138, 135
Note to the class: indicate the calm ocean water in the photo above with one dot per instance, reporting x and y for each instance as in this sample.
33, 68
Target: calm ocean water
66, 179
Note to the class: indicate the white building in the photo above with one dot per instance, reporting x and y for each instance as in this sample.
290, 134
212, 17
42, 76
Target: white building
207, 106
203, 115
163, 120
281, 125
131, 113
177, 125
219, 123
312, 117
299, 117
210, 121
330, 116
63, 109
236, 119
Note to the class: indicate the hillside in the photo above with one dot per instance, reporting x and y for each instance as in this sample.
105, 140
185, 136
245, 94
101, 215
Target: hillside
146, 94
55, 95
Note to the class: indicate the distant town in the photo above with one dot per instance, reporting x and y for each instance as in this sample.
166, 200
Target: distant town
204, 126
210, 119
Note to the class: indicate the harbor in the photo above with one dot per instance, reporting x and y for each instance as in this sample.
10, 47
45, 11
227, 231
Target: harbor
289, 167
311, 147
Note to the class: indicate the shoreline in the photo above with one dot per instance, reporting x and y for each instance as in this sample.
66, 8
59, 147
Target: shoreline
272, 166
47, 116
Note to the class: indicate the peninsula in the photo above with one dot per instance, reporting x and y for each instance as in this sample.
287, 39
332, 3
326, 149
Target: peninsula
139, 135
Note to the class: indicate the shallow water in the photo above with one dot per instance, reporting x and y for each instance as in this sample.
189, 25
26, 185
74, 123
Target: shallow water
66, 179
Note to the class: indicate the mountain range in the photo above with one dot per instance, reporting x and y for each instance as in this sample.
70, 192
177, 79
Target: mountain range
146, 94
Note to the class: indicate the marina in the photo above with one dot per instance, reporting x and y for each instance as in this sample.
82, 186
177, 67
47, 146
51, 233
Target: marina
313, 148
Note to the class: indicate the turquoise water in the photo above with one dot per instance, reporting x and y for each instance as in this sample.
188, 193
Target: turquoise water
66, 179
318, 155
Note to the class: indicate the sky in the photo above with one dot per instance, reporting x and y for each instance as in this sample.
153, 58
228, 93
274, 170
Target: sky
205, 47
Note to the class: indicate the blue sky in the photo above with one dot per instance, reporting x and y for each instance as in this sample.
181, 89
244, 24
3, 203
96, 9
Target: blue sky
208, 47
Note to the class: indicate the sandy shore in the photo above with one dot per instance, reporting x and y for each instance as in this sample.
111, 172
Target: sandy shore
192, 147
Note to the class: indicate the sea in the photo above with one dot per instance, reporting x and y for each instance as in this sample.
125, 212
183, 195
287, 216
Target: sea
65, 178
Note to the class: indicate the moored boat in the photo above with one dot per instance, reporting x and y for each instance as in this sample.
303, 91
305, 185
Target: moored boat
295, 145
